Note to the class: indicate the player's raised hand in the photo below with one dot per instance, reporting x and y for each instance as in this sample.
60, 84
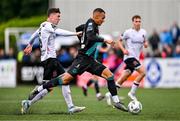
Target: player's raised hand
28, 49
108, 41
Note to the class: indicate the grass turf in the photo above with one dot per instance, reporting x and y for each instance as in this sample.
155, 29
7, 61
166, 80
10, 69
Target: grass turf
158, 105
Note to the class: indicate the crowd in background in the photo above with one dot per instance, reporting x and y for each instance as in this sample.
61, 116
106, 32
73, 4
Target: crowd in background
164, 44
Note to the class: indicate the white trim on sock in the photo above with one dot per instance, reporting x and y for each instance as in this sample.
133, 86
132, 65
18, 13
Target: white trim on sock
40, 88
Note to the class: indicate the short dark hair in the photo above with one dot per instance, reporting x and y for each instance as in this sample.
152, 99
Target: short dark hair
135, 17
53, 10
99, 10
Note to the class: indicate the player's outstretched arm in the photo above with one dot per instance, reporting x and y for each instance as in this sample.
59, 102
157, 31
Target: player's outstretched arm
61, 32
34, 36
28, 48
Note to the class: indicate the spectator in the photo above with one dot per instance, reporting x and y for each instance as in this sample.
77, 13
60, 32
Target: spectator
11, 54
175, 32
177, 51
154, 40
112, 61
73, 51
65, 58
167, 51
165, 37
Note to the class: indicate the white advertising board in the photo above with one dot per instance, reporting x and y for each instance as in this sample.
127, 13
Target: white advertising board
7, 73
162, 73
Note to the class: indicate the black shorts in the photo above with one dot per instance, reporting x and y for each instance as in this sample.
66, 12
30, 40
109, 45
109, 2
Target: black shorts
132, 64
100, 59
84, 63
52, 68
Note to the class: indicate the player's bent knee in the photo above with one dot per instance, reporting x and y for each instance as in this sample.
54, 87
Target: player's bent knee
67, 78
107, 73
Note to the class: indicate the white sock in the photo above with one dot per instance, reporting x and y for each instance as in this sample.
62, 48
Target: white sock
39, 96
115, 99
67, 95
134, 88
40, 88
108, 94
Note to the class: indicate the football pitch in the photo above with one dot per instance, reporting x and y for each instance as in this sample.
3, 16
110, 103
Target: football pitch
158, 105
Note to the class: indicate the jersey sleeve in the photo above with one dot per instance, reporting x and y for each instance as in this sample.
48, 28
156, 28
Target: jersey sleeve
125, 36
80, 28
61, 32
34, 36
91, 34
48, 27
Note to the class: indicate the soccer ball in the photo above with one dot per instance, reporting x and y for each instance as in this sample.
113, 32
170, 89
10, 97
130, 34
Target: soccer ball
134, 107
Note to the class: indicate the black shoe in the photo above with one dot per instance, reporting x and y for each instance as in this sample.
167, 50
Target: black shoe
84, 91
120, 106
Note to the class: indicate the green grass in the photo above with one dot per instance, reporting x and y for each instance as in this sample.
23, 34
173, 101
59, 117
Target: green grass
158, 105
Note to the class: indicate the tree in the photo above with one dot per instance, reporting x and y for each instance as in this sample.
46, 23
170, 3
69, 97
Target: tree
22, 8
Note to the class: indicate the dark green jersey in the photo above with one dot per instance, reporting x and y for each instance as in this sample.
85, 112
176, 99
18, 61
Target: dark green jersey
90, 38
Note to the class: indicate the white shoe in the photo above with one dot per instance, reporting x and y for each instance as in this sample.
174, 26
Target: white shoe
120, 106
132, 96
25, 106
108, 98
75, 109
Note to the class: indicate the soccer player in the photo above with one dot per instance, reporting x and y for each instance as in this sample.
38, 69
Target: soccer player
52, 68
99, 57
94, 79
85, 61
135, 39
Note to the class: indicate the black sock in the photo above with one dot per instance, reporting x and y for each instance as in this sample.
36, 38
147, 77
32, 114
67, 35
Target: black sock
137, 84
89, 82
96, 86
52, 83
112, 86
